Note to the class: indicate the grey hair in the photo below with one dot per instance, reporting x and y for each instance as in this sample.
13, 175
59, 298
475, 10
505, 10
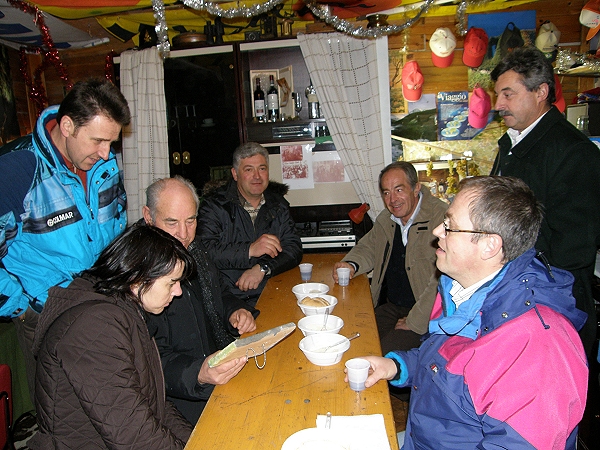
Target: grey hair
408, 169
533, 67
157, 187
246, 151
505, 206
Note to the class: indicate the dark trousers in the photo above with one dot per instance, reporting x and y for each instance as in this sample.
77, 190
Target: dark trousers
387, 316
25, 326
584, 300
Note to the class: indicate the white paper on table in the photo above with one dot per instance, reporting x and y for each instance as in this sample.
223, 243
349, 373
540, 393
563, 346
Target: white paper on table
365, 432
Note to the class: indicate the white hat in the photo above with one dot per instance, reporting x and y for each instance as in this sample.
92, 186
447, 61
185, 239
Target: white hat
442, 44
548, 38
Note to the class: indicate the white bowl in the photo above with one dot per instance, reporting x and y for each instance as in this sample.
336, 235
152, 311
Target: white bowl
313, 324
312, 310
313, 347
310, 290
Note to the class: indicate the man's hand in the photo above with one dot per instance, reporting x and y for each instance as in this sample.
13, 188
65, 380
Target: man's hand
250, 279
243, 320
337, 265
267, 244
222, 373
381, 369
401, 324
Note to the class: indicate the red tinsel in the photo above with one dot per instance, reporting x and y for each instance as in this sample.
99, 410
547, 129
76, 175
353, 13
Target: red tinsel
37, 93
109, 67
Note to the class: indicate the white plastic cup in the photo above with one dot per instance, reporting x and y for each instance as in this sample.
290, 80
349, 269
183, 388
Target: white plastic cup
306, 271
343, 274
358, 371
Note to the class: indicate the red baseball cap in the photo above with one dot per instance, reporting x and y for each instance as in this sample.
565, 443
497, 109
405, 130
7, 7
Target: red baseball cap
590, 17
480, 105
412, 81
476, 42
560, 100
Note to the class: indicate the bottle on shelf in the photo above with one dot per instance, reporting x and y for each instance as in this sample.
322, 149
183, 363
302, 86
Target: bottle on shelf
259, 102
313, 102
272, 101
583, 124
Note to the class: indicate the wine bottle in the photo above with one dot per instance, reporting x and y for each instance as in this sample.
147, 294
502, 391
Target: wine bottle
272, 101
259, 102
313, 102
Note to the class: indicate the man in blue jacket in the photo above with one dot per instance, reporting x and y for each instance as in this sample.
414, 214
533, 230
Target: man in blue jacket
61, 201
503, 366
246, 225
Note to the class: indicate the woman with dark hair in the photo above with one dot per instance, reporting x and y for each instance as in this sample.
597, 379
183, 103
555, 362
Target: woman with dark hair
99, 379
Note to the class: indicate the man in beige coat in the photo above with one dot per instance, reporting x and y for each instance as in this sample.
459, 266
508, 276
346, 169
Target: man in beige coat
400, 250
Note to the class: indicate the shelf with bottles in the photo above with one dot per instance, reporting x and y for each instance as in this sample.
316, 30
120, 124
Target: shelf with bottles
284, 61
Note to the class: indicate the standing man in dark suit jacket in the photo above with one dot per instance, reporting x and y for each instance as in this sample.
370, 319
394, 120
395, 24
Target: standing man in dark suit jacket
559, 163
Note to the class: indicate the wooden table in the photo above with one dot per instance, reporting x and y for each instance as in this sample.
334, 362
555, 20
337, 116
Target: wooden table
259, 409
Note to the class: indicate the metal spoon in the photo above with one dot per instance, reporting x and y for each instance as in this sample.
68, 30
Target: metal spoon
324, 327
324, 349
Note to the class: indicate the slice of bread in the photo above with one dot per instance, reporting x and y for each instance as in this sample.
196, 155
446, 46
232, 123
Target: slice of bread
314, 301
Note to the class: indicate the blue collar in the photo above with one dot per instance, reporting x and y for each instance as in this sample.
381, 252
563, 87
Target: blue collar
466, 320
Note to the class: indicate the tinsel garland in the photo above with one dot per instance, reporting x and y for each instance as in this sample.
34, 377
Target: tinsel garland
322, 12
461, 18
216, 10
319, 10
161, 27
109, 66
37, 93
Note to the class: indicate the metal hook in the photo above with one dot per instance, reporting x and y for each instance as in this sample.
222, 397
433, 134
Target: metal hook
264, 352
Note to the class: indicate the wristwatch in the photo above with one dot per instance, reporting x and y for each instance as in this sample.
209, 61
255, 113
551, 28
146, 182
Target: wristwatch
264, 268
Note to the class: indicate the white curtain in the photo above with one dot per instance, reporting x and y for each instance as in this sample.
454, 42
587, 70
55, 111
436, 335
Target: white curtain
145, 148
352, 81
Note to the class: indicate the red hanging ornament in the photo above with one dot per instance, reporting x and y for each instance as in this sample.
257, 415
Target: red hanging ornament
37, 93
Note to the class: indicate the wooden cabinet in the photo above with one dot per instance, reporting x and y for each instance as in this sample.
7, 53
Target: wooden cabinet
202, 112
209, 94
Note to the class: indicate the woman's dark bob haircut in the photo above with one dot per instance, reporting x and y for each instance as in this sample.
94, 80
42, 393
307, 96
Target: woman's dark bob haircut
138, 257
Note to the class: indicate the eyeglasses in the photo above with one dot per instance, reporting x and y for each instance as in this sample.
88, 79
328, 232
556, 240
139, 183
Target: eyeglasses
450, 230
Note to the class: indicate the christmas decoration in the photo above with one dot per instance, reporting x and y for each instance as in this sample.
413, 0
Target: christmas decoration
37, 93
321, 11
161, 27
109, 67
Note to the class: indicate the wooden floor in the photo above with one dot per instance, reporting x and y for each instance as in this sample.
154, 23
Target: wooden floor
400, 410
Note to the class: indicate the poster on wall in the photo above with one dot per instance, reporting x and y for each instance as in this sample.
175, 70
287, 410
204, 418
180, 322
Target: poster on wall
452, 114
504, 29
296, 169
301, 168
328, 168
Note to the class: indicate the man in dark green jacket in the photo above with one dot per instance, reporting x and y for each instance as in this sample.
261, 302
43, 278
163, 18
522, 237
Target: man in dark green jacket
559, 163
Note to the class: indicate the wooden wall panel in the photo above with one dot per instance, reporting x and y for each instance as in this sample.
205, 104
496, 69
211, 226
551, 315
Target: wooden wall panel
90, 62
563, 13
